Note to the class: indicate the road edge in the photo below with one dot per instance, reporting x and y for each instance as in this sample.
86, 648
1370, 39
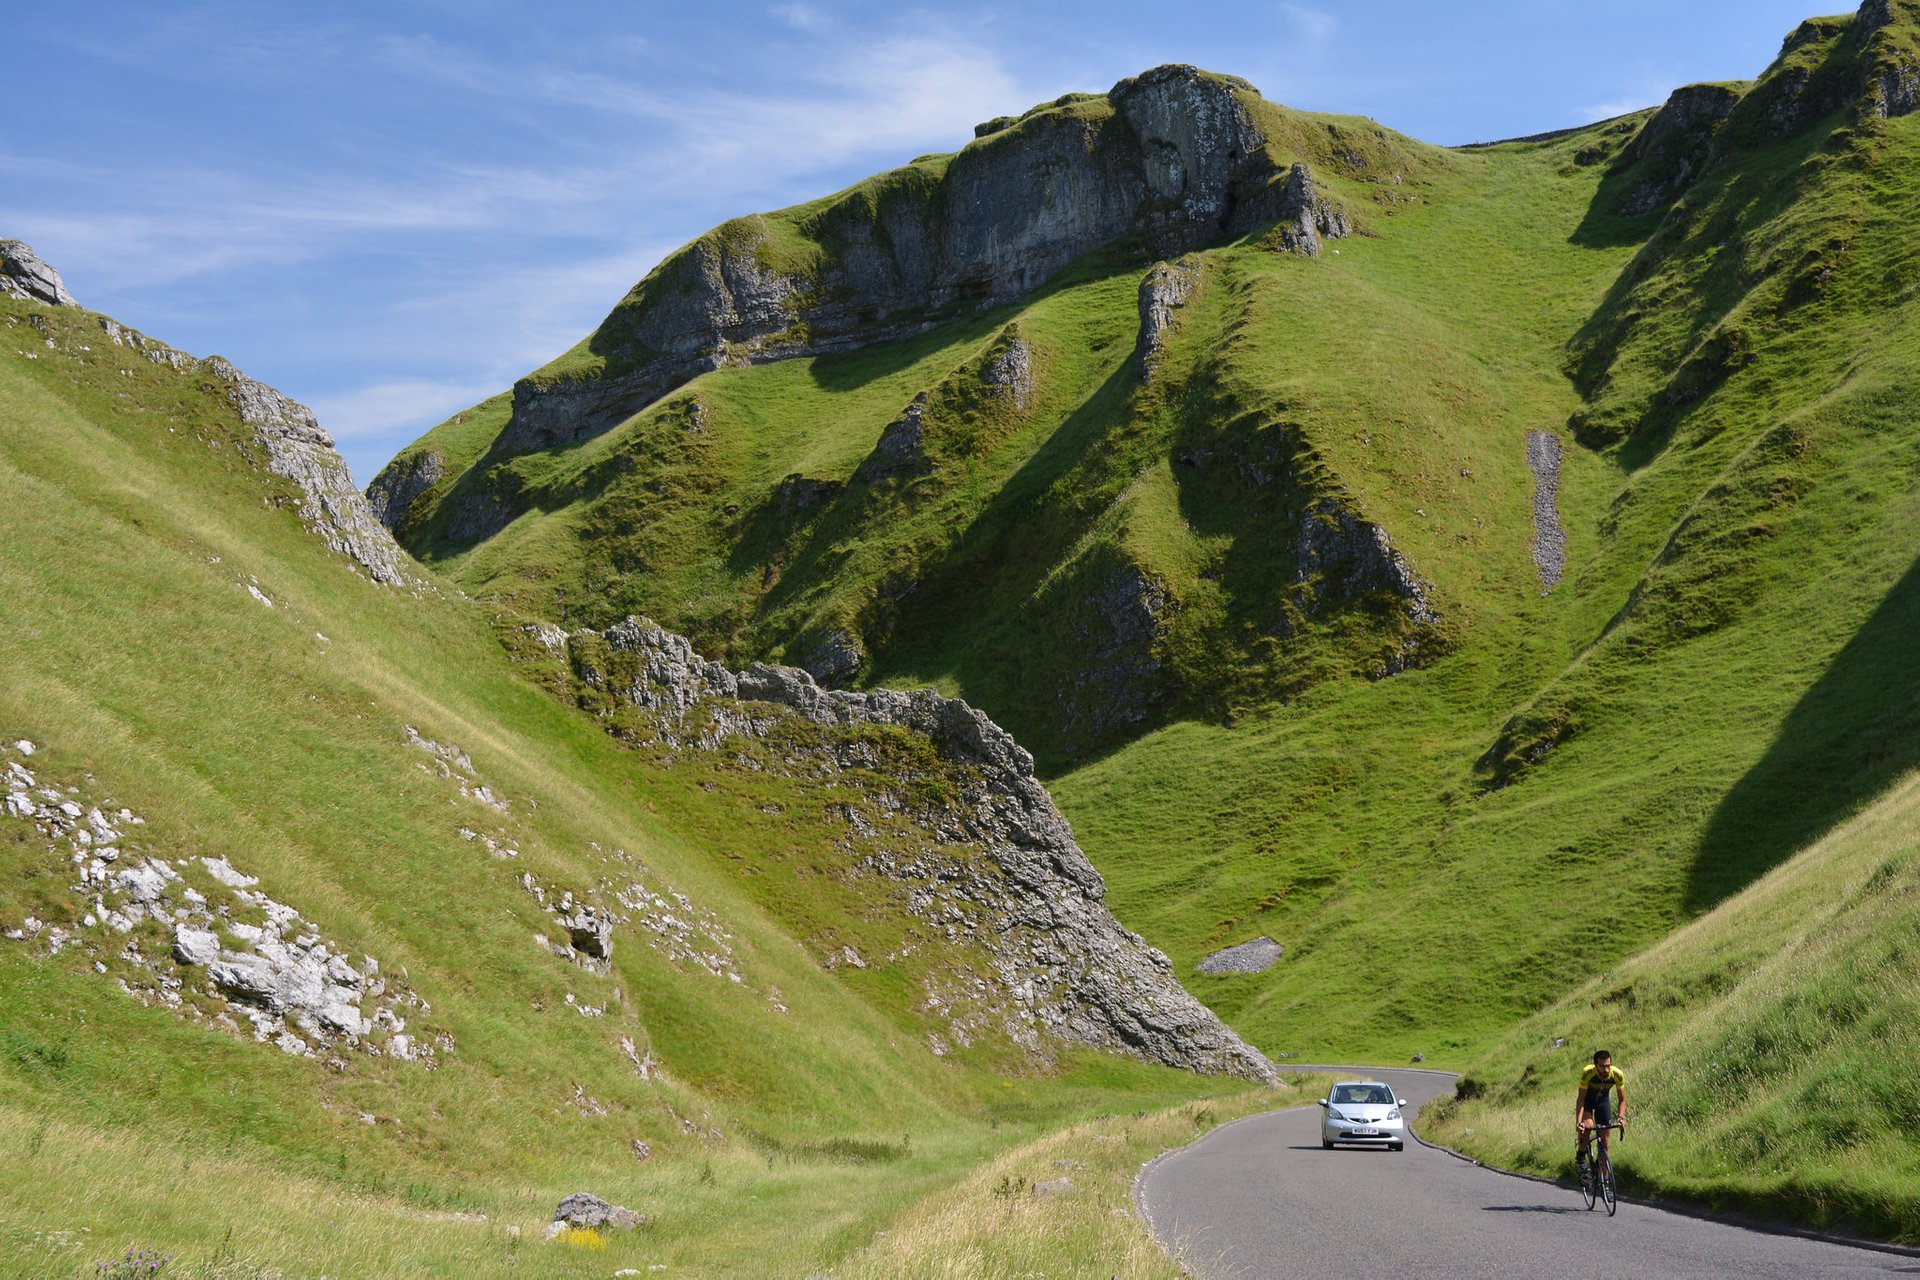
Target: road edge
1679, 1207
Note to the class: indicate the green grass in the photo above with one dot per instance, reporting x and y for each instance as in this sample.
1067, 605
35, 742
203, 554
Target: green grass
1720, 678
1765, 1044
135, 515
1720, 685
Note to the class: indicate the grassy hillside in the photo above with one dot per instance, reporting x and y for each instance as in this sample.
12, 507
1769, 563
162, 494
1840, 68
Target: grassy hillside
180, 647
1709, 307
1765, 1044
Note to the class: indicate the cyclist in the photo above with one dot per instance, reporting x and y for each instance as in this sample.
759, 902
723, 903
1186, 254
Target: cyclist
1593, 1104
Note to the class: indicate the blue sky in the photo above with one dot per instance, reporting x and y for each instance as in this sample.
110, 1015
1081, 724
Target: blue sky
392, 210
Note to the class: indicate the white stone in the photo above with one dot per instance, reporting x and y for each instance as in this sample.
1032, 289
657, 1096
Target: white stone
24, 747
144, 883
195, 946
220, 869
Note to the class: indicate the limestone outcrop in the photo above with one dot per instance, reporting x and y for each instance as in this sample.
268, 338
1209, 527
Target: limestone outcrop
1164, 290
1172, 159
298, 450
232, 956
992, 867
24, 275
400, 482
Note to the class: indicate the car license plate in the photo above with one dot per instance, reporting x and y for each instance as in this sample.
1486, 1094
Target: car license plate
1366, 1133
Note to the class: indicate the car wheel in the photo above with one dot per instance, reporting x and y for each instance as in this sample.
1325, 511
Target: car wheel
1326, 1144
1397, 1146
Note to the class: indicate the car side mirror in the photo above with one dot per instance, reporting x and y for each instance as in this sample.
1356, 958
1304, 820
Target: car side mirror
1403, 1102
1320, 1102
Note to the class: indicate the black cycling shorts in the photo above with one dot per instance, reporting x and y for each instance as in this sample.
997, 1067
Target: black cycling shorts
1600, 1106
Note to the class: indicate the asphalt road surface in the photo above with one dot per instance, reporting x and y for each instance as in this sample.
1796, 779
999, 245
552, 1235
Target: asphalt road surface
1261, 1198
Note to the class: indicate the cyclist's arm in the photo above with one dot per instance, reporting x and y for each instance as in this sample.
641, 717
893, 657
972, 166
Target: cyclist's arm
1620, 1093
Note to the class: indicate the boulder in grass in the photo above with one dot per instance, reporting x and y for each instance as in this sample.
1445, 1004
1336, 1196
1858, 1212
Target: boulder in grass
583, 1212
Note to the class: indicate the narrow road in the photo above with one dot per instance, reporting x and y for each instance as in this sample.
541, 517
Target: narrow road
1260, 1198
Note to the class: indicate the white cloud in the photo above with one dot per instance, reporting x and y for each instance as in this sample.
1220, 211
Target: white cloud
1314, 28
405, 407
801, 17
1618, 107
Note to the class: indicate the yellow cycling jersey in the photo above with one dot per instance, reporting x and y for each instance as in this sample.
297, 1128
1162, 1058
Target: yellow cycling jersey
1594, 1078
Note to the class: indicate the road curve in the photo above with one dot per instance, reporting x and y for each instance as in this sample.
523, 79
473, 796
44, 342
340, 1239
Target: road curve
1260, 1198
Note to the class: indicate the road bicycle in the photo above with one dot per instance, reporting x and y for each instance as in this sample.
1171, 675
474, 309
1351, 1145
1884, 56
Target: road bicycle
1596, 1179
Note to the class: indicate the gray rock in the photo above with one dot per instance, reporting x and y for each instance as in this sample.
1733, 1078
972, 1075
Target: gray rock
1053, 1187
1549, 537
1025, 893
836, 659
195, 946
144, 884
1165, 289
248, 978
1119, 679
402, 481
1305, 219
901, 449
1173, 158
1350, 557
1008, 373
1257, 956
585, 1212
24, 275
591, 932
1675, 145
298, 450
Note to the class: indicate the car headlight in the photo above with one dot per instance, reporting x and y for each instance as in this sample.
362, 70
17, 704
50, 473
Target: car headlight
1394, 1114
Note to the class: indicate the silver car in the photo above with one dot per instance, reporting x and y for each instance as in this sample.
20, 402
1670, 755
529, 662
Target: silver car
1364, 1113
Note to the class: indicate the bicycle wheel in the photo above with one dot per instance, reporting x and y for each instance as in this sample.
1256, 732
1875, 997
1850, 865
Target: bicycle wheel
1587, 1192
1604, 1167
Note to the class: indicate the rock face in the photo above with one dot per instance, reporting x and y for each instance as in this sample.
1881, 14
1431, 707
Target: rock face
1305, 220
1355, 558
1675, 145
997, 868
1119, 678
400, 482
1874, 73
1171, 158
24, 275
298, 450
1168, 287
1008, 373
902, 447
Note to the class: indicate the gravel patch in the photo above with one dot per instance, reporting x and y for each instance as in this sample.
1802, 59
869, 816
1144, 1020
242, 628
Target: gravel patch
1257, 956
1549, 538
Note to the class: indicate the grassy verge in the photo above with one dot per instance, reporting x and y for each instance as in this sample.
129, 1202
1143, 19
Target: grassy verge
1767, 1047
1012, 1217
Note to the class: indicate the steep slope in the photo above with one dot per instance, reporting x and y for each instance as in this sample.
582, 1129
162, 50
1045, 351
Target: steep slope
329, 939
1488, 538
1766, 1045
981, 482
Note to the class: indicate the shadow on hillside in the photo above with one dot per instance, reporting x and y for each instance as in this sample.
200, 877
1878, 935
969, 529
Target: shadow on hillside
850, 370
1854, 732
972, 594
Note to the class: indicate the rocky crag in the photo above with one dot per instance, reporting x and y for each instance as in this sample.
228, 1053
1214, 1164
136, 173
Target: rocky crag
295, 447
985, 865
1171, 159
24, 275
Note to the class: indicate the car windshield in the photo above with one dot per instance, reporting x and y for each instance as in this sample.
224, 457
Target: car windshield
1362, 1094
